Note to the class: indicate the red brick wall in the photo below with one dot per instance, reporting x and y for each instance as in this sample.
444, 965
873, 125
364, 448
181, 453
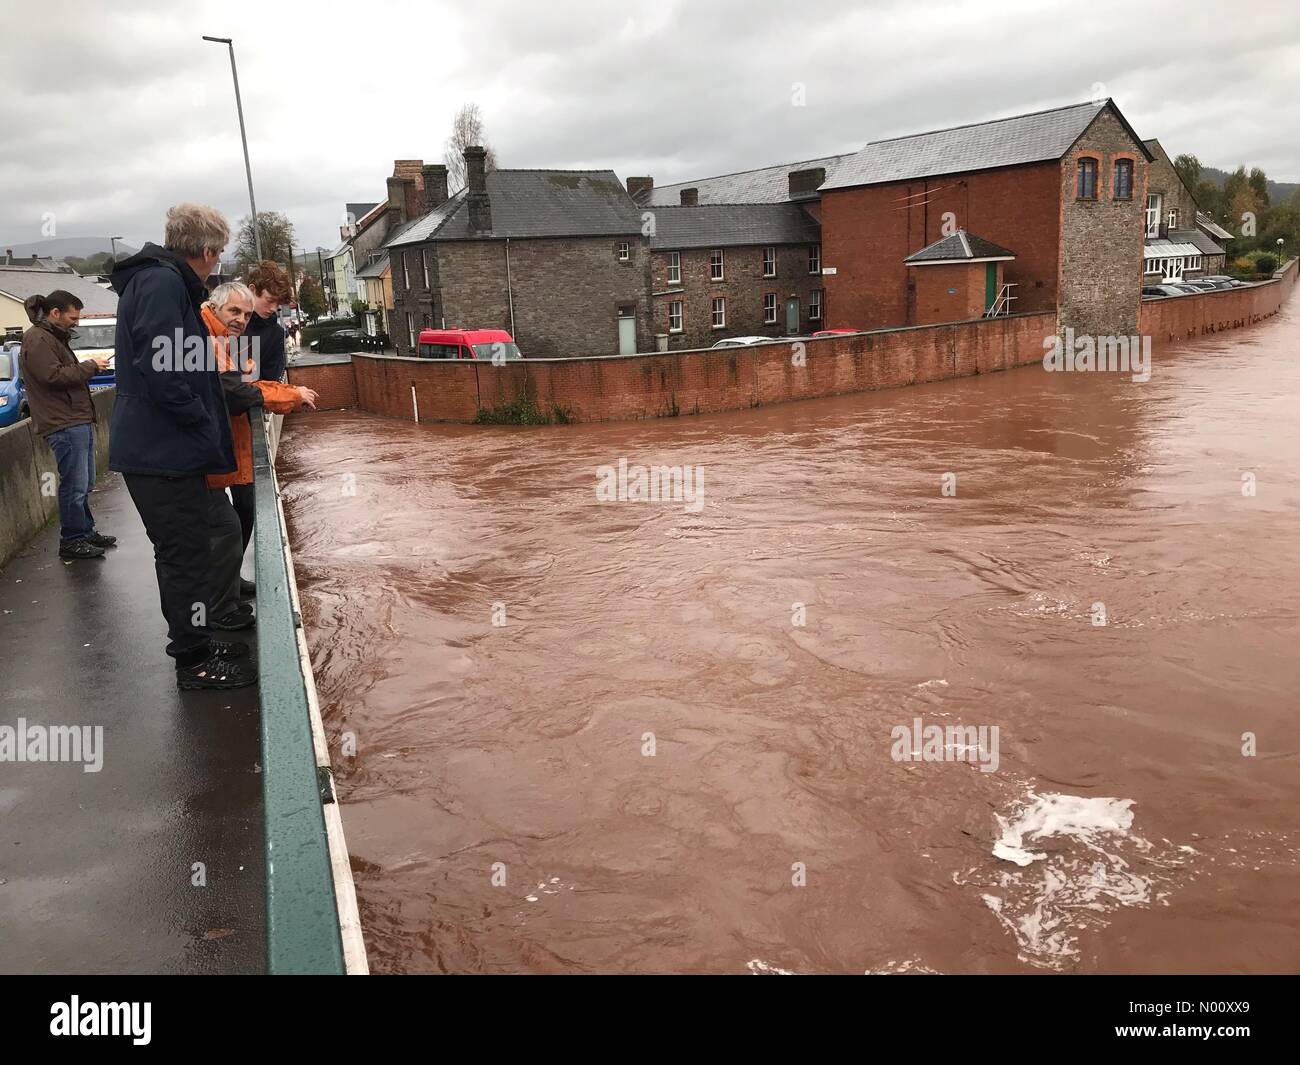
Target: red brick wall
950, 293
334, 382
1186, 317
648, 386
868, 232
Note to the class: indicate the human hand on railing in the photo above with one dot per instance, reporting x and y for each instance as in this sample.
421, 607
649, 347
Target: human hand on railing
308, 397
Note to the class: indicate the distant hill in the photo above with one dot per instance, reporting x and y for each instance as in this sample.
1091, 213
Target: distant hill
1278, 191
66, 247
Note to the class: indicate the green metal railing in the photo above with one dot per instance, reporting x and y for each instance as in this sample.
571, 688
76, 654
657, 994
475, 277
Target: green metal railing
302, 918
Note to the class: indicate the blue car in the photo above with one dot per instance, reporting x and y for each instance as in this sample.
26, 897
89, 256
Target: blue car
13, 399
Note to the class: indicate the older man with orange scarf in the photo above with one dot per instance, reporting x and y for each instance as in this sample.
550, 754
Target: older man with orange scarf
226, 314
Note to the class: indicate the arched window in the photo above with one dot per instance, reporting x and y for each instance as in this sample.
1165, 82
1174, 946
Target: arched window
1123, 179
1086, 188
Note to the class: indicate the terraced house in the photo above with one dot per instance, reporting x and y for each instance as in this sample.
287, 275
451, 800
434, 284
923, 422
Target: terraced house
1180, 241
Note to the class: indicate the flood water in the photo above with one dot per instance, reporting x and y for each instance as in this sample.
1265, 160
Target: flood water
656, 761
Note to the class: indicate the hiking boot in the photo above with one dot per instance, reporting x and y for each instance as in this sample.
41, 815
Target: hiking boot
247, 589
216, 672
234, 621
100, 540
228, 648
80, 549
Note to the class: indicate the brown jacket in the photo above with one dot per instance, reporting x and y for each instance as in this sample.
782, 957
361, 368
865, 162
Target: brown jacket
58, 386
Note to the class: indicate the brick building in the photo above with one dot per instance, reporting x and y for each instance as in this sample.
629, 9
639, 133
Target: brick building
1180, 241
557, 257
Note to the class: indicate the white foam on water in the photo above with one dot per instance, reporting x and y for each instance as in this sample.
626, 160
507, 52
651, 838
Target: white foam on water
760, 968
897, 968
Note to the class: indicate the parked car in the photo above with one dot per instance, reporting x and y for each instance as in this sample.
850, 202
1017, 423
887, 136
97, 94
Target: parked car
343, 341
1231, 282
13, 399
1204, 284
96, 336
482, 344
1183, 288
1167, 289
743, 342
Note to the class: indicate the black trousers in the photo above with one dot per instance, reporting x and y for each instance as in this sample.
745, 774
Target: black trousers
175, 515
227, 555
246, 508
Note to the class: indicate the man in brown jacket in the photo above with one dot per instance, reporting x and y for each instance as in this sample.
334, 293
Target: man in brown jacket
58, 395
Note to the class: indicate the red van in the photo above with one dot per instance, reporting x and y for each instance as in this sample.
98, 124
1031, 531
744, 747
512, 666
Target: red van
482, 344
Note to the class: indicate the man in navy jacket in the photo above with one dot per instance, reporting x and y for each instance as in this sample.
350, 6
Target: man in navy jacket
170, 428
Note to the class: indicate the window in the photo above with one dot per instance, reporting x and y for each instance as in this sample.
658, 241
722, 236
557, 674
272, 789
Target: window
406, 271
424, 264
815, 306
1172, 218
410, 318
1193, 262
674, 268
1086, 187
624, 251
1152, 266
715, 265
1173, 268
769, 308
719, 312
769, 262
1123, 179
815, 259
1153, 215
675, 316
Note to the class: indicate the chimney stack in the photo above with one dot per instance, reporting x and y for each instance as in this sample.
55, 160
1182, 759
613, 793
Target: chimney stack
435, 186
640, 188
690, 197
396, 203
480, 207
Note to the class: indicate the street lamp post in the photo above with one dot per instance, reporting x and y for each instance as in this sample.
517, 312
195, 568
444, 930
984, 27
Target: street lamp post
113, 244
248, 168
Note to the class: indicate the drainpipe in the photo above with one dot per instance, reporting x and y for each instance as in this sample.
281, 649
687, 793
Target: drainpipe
510, 297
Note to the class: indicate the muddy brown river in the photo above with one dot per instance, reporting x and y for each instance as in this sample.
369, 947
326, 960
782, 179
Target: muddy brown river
986, 676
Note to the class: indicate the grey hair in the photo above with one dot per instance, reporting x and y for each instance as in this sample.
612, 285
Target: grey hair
191, 228
223, 294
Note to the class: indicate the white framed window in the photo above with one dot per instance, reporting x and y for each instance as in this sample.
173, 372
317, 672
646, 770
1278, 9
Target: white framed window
675, 316
769, 262
1193, 262
406, 269
410, 321
1153, 214
1172, 268
815, 306
715, 265
815, 259
1171, 219
719, 312
674, 268
624, 251
1152, 266
769, 308
424, 265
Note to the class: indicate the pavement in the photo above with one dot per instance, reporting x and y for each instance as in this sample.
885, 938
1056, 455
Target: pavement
155, 863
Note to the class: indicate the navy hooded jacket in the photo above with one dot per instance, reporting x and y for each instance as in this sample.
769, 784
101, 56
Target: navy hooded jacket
169, 418
270, 345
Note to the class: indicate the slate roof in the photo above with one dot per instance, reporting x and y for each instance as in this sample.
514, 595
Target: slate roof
770, 184
534, 203
359, 211
1203, 241
1212, 227
733, 225
1034, 138
23, 283
957, 247
375, 269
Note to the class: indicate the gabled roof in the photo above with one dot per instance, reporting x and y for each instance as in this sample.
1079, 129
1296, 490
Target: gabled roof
376, 268
19, 284
732, 225
534, 203
358, 211
770, 184
959, 247
1204, 243
1205, 222
1042, 136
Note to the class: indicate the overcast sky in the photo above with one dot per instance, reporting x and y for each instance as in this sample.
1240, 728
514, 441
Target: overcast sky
109, 113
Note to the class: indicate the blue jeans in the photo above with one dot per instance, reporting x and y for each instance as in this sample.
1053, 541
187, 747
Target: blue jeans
74, 451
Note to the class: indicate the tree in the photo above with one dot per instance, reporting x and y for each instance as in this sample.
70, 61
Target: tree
1209, 197
311, 298
277, 241
466, 130
1189, 169
1258, 182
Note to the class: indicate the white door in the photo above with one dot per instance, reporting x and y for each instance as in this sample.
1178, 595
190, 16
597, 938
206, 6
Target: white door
626, 334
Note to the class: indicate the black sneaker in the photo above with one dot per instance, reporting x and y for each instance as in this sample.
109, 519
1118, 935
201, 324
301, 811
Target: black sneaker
247, 589
228, 648
233, 622
80, 549
216, 672
100, 540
